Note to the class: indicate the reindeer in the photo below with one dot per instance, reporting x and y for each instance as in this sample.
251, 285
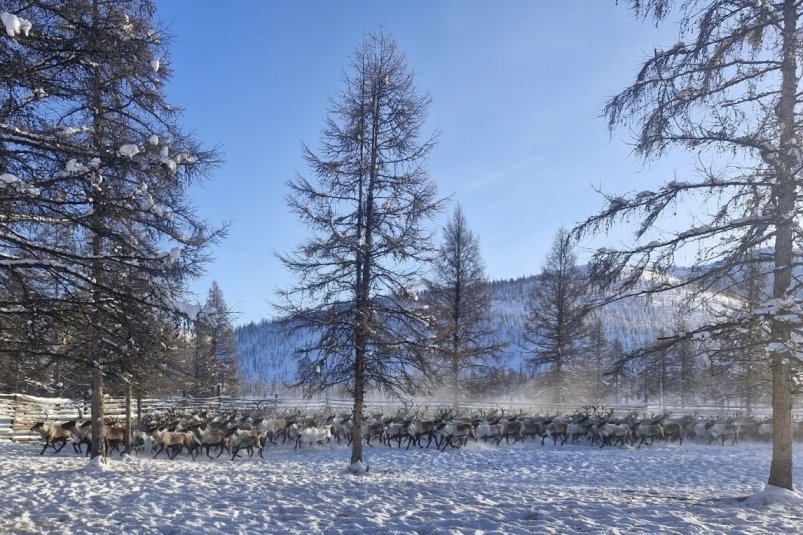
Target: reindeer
273, 428
580, 423
310, 436
51, 433
81, 434
113, 437
454, 434
245, 440
512, 428
373, 429
397, 431
610, 434
533, 427
578, 430
722, 430
417, 429
396, 427
210, 438
649, 431
175, 442
556, 428
343, 428
139, 441
674, 428
485, 430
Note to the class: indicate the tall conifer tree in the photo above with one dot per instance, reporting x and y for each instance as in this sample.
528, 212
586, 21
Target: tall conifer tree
461, 305
367, 208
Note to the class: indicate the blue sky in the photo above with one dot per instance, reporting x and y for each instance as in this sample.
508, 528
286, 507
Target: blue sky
517, 88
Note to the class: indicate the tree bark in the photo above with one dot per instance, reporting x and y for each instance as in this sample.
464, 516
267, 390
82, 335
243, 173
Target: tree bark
455, 383
359, 399
781, 467
128, 419
97, 413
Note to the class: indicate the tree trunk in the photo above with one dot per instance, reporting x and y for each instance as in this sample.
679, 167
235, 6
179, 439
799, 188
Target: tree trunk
139, 404
359, 399
97, 412
128, 419
96, 229
455, 383
559, 378
364, 274
748, 390
781, 467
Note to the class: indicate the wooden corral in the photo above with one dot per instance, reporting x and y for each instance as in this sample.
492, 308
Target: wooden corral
18, 412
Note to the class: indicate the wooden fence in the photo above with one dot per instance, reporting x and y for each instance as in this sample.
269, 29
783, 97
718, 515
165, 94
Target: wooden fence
18, 412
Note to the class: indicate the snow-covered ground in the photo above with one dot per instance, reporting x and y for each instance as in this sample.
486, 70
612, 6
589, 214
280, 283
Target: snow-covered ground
692, 489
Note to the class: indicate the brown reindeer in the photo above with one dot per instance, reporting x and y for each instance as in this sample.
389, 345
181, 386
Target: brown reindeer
209, 438
649, 431
454, 434
51, 433
417, 429
246, 440
556, 428
174, 441
113, 438
81, 434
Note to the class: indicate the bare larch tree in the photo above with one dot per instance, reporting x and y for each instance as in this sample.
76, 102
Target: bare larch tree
461, 305
216, 361
728, 92
555, 329
367, 210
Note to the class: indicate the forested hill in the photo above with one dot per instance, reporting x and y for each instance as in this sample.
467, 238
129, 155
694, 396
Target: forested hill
266, 354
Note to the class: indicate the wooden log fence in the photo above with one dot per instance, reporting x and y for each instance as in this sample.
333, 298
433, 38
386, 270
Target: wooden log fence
18, 412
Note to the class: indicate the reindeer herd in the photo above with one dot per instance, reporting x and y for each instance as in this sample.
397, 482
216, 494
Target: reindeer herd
237, 433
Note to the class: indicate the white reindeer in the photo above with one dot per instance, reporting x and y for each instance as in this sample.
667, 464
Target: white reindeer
310, 436
611, 434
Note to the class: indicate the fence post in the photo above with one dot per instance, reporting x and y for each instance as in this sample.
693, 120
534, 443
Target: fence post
14, 406
128, 418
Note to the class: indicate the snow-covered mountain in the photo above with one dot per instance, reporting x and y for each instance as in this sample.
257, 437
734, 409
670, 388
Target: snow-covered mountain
266, 354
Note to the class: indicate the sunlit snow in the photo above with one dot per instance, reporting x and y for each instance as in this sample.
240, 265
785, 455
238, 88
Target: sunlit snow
128, 150
15, 25
520, 489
